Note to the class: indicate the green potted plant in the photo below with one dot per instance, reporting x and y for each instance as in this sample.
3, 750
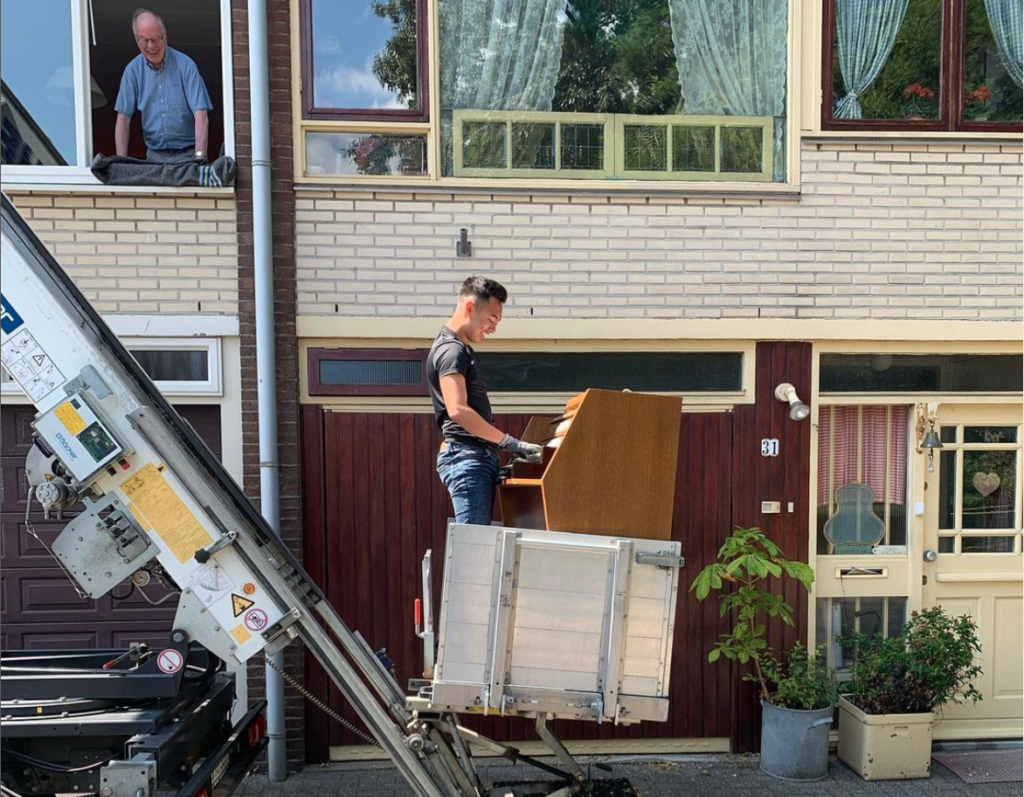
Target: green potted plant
886, 714
796, 715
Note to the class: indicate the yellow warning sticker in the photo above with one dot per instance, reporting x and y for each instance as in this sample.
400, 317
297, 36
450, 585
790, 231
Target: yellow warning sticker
241, 634
68, 416
167, 514
240, 604
137, 514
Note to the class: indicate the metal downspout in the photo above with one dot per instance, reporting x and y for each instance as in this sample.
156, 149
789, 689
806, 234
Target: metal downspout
266, 361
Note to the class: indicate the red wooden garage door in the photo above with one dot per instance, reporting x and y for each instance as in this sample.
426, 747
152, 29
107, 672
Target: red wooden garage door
39, 607
373, 504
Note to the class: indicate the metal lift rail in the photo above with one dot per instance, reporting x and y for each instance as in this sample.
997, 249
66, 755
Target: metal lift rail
158, 504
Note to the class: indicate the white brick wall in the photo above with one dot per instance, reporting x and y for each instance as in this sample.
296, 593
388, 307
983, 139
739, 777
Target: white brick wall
142, 254
880, 230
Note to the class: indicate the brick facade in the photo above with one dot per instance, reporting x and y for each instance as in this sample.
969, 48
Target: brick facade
142, 254
284, 310
913, 230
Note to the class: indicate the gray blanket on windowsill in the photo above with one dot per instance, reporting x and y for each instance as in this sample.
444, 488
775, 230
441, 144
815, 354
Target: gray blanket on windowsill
120, 170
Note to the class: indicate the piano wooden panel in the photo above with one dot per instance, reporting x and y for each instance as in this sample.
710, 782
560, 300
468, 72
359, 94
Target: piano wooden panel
609, 468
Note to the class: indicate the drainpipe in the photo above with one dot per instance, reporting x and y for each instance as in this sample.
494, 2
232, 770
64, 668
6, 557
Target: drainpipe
266, 366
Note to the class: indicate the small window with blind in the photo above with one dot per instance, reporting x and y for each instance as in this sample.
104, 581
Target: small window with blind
367, 372
862, 480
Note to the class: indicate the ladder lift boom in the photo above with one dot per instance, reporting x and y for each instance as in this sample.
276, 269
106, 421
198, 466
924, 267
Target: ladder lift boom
157, 499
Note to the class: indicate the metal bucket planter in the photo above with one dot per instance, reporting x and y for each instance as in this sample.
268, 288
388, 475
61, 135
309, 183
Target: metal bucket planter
794, 743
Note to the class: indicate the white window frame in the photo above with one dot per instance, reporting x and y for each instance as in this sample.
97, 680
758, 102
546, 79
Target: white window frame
213, 386
79, 175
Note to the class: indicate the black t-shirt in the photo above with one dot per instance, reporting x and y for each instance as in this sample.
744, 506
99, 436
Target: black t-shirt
450, 355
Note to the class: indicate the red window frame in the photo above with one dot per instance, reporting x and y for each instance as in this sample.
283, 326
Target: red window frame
317, 388
309, 111
951, 82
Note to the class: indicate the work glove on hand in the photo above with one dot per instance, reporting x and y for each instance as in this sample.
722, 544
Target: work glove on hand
527, 451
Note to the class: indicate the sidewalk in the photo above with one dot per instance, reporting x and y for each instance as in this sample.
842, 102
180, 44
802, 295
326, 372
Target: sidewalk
663, 776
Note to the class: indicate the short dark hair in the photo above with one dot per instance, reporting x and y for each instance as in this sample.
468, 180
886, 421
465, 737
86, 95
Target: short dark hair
482, 289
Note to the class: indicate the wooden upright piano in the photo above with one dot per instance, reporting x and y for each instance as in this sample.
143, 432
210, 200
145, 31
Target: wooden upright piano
608, 468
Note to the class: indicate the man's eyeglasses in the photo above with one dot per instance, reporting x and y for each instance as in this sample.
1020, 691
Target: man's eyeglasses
142, 41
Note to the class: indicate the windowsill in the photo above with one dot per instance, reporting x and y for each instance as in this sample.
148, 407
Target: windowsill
910, 136
50, 187
74, 180
636, 188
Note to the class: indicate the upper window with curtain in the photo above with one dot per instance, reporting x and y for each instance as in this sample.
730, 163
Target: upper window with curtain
364, 60
613, 89
922, 65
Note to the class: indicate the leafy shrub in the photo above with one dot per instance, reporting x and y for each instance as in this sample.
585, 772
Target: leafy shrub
803, 682
929, 664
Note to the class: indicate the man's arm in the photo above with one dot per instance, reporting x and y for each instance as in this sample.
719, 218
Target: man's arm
122, 134
453, 391
202, 132
456, 402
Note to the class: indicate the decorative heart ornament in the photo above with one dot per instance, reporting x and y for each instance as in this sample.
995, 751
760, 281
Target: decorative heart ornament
986, 483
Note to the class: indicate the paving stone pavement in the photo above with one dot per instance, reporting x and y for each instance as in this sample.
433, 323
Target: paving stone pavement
653, 776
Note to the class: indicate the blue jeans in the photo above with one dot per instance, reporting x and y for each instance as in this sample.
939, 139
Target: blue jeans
470, 474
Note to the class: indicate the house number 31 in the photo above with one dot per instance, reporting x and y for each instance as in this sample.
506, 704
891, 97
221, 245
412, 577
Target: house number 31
769, 446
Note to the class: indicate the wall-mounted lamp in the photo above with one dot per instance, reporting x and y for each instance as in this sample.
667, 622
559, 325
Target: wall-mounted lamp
787, 394
927, 438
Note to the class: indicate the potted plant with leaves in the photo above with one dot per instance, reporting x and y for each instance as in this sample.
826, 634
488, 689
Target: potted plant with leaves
797, 694
896, 684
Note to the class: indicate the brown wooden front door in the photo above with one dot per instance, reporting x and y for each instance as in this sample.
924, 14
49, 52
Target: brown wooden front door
373, 504
379, 505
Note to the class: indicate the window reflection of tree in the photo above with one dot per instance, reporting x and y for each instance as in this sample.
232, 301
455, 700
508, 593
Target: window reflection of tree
394, 65
618, 57
385, 155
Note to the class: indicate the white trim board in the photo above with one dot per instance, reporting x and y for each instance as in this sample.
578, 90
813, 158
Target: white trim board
173, 326
633, 329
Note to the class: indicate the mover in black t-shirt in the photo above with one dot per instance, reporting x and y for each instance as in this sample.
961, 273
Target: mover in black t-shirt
468, 460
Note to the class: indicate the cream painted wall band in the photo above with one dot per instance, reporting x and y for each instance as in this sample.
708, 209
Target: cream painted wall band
383, 331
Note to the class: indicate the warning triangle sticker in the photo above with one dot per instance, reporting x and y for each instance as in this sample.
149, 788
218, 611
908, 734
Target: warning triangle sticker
240, 604
38, 358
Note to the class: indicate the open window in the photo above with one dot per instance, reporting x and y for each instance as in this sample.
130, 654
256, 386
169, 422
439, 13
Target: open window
62, 67
193, 27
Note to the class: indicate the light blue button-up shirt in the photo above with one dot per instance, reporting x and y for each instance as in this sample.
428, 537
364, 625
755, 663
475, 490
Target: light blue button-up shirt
168, 99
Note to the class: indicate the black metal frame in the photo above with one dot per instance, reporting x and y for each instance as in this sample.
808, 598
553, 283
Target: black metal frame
53, 743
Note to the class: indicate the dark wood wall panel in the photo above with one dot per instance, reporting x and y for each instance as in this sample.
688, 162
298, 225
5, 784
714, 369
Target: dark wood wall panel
785, 478
39, 607
374, 504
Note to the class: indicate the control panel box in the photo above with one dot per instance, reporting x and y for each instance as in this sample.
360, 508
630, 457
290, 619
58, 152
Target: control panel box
78, 437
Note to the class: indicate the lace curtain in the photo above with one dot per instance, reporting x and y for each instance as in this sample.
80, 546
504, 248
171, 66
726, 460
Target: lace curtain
1005, 18
865, 34
731, 56
500, 54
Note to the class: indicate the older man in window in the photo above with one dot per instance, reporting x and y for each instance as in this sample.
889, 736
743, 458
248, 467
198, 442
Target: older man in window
166, 87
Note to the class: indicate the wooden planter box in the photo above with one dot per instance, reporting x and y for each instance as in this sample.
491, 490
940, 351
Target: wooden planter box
885, 746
